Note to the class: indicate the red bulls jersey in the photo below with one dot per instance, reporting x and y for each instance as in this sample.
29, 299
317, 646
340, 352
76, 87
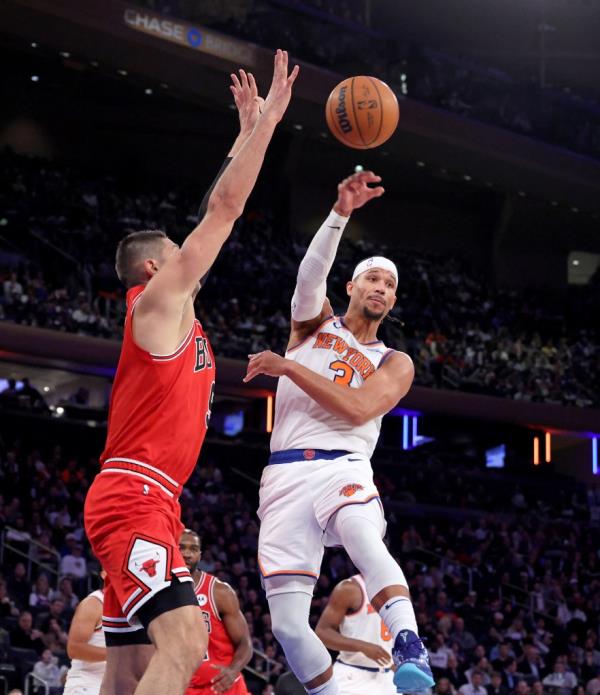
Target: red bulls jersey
160, 407
220, 648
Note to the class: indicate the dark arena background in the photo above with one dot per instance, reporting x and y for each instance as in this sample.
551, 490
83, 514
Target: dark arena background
116, 117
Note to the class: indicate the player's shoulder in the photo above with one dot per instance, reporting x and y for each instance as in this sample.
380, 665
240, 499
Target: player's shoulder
397, 359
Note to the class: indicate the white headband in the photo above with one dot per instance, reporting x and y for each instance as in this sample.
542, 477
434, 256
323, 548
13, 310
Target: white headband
375, 262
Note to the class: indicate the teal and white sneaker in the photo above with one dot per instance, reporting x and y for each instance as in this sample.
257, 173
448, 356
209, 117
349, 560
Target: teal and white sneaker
413, 673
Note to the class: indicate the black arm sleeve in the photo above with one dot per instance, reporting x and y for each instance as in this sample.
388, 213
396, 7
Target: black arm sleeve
204, 205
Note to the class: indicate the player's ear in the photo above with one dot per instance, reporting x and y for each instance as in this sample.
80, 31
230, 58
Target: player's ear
150, 267
349, 288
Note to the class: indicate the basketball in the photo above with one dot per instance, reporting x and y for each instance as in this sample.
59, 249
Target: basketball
362, 112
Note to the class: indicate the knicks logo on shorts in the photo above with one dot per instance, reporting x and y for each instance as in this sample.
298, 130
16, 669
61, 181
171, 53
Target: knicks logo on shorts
349, 490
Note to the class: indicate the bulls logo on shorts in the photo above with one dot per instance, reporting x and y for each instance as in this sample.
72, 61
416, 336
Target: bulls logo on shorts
349, 490
148, 562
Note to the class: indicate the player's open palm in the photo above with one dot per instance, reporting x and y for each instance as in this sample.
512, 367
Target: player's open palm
355, 191
247, 101
377, 654
266, 362
280, 92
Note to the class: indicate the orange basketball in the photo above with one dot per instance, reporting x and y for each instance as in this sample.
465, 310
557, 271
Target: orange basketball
362, 112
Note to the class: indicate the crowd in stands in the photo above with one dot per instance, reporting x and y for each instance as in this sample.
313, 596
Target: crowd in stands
336, 36
509, 602
461, 332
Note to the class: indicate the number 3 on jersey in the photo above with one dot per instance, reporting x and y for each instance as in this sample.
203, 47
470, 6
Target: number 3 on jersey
343, 372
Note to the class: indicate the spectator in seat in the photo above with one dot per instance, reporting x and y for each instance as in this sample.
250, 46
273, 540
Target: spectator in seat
475, 687
510, 676
23, 636
19, 587
444, 687
39, 599
453, 672
496, 687
49, 671
560, 680
7, 605
531, 663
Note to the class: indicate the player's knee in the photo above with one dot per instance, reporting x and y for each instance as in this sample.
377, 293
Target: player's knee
290, 634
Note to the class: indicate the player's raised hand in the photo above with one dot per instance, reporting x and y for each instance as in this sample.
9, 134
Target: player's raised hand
354, 192
280, 92
266, 362
247, 101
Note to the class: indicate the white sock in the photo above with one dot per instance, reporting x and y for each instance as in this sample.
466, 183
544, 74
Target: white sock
329, 688
398, 614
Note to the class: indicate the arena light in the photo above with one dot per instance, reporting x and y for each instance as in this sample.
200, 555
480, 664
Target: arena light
148, 91
269, 414
122, 72
405, 432
536, 451
60, 410
35, 78
575, 261
33, 44
548, 447
46, 389
65, 54
595, 469
466, 177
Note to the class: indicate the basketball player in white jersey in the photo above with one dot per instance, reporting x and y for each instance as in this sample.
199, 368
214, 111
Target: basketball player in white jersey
351, 626
86, 647
337, 380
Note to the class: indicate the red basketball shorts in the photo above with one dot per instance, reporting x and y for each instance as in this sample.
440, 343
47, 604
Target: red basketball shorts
238, 688
134, 529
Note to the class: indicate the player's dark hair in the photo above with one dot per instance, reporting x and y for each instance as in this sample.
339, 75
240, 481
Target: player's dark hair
189, 532
132, 251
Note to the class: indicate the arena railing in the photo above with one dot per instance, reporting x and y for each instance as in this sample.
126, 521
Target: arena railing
6, 545
32, 685
270, 665
518, 596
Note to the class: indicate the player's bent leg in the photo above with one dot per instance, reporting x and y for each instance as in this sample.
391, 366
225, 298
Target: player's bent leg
178, 633
289, 604
125, 666
360, 529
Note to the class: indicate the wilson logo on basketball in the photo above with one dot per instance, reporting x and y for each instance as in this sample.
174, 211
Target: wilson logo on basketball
349, 490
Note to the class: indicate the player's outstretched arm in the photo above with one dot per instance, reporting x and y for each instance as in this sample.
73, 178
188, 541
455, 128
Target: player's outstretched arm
377, 396
310, 306
87, 615
168, 290
249, 105
346, 598
237, 629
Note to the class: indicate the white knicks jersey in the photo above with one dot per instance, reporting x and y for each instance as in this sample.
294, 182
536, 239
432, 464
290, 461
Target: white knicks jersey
365, 625
300, 422
88, 674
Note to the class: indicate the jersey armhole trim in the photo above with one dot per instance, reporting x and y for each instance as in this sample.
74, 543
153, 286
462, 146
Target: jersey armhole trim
211, 598
363, 602
310, 335
387, 354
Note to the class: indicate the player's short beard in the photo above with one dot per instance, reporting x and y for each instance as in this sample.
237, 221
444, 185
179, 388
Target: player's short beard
372, 315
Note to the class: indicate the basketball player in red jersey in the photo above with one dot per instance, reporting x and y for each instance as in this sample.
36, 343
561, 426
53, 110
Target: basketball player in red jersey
158, 417
229, 643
